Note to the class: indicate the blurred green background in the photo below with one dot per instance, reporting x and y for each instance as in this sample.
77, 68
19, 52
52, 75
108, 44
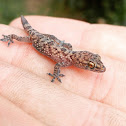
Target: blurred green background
93, 11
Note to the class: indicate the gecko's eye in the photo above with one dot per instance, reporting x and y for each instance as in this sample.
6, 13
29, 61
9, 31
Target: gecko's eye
91, 65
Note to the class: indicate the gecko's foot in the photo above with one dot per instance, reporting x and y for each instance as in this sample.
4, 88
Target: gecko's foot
56, 77
7, 38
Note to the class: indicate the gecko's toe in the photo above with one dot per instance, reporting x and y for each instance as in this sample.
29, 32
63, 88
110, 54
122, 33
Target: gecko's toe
59, 79
7, 38
50, 74
56, 77
61, 75
53, 79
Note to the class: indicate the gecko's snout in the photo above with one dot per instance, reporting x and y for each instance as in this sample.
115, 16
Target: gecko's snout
96, 66
99, 67
102, 69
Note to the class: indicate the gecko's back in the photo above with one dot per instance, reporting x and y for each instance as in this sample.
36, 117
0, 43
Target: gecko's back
47, 44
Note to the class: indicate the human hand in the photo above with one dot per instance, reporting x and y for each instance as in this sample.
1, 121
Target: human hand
83, 98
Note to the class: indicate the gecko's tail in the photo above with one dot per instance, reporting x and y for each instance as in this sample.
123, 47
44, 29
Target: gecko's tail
25, 24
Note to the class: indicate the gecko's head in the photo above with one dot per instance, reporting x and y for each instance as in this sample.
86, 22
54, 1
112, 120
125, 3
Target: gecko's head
89, 61
95, 64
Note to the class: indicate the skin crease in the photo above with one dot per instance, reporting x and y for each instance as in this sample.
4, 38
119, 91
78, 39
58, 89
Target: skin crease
84, 98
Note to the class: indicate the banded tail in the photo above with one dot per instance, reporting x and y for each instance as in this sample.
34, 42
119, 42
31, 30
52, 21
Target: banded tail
27, 26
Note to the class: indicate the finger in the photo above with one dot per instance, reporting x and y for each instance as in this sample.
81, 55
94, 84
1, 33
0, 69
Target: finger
12, 115
51, 104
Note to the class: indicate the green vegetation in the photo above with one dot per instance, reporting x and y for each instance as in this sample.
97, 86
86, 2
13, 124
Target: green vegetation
93, 11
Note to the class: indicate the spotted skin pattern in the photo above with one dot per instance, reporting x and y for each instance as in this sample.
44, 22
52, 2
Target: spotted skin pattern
57, 50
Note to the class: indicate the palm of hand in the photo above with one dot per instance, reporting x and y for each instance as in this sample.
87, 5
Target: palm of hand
84, 97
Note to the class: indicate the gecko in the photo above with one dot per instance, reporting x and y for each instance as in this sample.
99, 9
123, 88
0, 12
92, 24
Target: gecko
57, 50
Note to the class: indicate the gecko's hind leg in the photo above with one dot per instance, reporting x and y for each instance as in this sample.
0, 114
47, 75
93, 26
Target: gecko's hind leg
56, 74
9, 38
68, 46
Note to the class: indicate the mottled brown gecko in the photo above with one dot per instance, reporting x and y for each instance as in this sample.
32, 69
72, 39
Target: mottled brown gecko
57, 50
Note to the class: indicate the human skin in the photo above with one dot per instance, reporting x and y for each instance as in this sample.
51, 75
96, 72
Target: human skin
84, 98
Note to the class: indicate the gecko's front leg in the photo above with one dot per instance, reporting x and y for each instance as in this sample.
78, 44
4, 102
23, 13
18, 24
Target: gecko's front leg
9, 38
56, 74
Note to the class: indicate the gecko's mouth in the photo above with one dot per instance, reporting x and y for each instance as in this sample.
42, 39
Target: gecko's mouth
103, 69
99, 69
